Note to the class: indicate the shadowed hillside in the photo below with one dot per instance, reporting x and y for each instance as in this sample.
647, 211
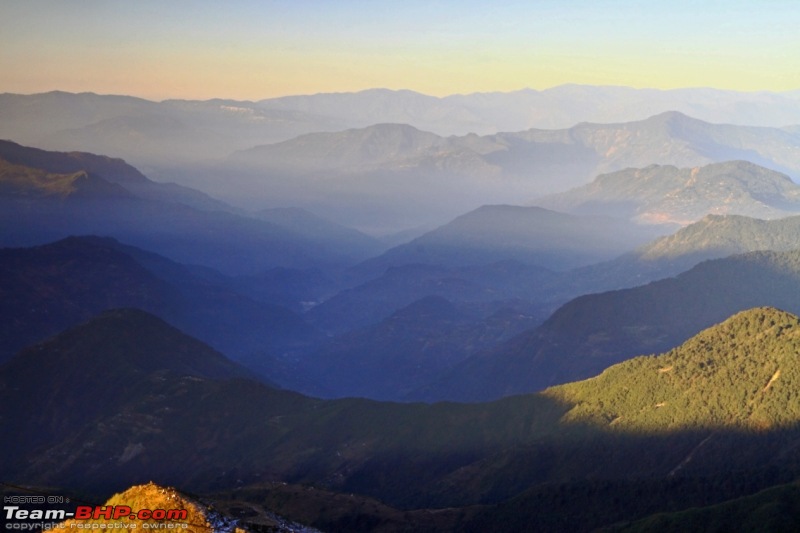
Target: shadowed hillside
711, 420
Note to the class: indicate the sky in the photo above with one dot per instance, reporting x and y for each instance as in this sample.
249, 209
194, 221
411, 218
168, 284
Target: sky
255, 49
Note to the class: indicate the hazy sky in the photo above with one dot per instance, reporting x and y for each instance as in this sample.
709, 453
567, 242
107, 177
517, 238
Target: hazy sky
253, 49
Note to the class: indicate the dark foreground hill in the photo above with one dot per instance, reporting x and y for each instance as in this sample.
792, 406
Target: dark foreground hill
773, 510
126, 397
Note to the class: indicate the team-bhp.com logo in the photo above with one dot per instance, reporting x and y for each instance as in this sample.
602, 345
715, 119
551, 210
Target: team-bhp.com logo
117, 512
93, 517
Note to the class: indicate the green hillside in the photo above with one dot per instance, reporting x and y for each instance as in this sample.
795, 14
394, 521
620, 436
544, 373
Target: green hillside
125, 398
743, 373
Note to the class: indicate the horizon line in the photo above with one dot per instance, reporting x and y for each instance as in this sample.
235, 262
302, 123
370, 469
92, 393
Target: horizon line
407, 90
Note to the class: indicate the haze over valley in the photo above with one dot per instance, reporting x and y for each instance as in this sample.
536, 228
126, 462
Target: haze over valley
390, 172
435, 267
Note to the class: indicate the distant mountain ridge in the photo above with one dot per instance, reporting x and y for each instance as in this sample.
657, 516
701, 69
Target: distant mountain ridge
526, 294
532, 235
659, 194
726, 235
419, 168
556, 107
373, 146
25, 182
101, 168
712, 237
376, 299
493, 253
169, 132
428, 266
430, 155
60, 120
594, 331
51, 195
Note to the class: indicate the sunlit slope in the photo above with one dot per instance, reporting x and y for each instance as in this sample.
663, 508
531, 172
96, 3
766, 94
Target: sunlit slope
712, 420
743, 373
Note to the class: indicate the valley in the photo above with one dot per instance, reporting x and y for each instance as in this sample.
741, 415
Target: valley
384, 311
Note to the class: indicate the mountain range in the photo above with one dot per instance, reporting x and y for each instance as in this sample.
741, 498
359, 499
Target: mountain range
429, 317
531, 235
30, 171
391, 312
495, 253
488, 264
712, 237
593, 331
181, 130
514, 296
484, 288
270, 154
51, 195
51, 287
554, 108
512, 242
708, 421
668, 195
460, 173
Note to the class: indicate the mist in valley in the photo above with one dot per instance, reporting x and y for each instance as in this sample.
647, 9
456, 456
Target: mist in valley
428, 267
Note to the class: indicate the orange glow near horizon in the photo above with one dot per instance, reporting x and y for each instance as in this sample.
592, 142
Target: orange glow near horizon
251, 50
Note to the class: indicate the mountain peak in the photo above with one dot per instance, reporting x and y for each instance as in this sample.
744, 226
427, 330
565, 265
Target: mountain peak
755, 324
378, 144
125, 343
671, 116
667, 194
724, 235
